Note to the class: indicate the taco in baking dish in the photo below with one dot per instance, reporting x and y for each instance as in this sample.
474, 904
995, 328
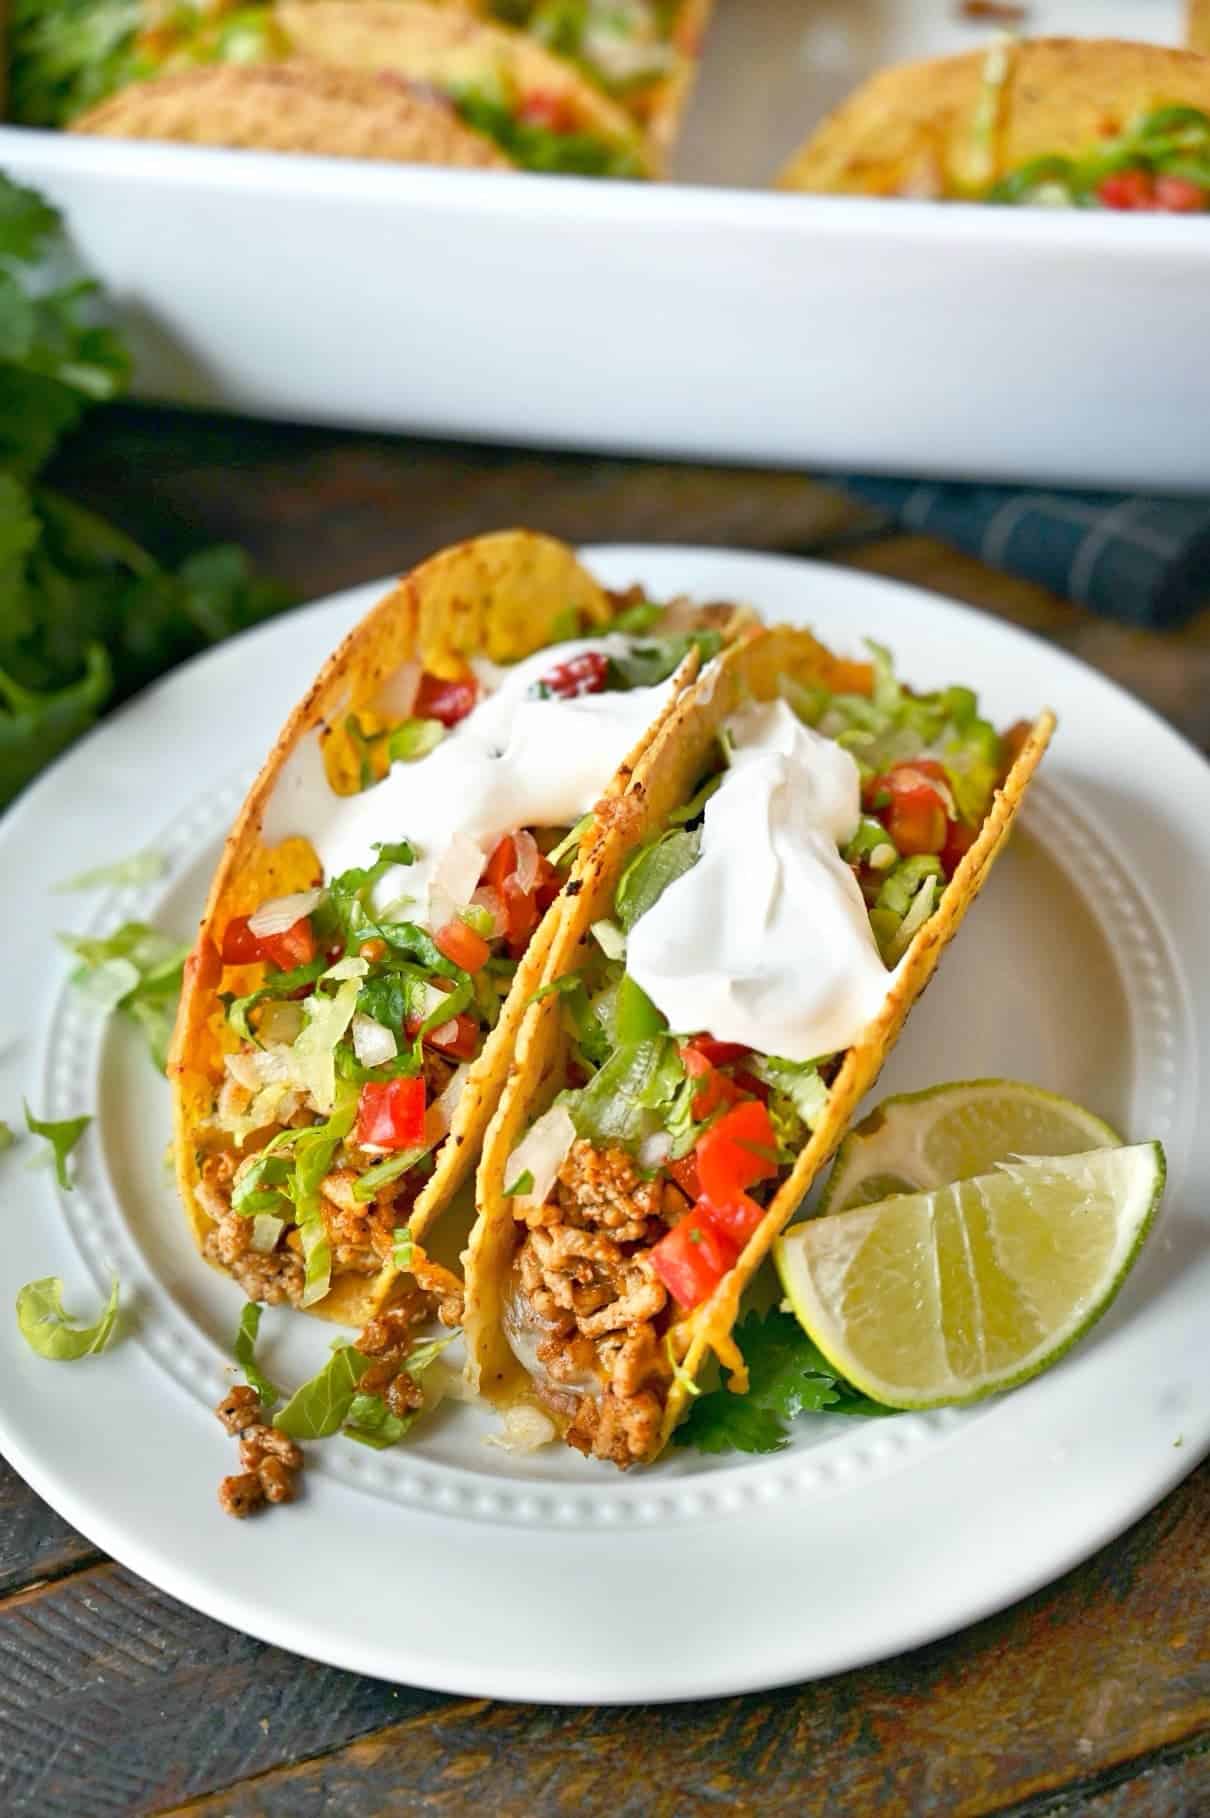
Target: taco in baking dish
538, 109
754, 920
642, 52
384, 905
1064, 122
295, 107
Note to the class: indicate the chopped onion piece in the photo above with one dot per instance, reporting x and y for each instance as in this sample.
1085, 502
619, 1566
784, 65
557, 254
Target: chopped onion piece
455, 876
525, 1429
253, 1068
397, 696
280, 1022
541, 1153
442, 1109
373, 1042
611, 939
265, 1232
282, 912
445, 1382
432, 1000
654, 1150
525, 851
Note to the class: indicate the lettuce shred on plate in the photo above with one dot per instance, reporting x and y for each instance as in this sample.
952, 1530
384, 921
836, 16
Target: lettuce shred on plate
87, 616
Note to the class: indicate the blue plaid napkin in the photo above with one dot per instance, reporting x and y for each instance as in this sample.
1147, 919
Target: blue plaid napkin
1139, 559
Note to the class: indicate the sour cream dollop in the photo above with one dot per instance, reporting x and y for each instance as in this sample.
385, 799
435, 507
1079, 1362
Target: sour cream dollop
515, 761
767, 939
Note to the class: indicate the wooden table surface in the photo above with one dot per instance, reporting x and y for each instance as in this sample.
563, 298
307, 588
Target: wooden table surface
1091, 1698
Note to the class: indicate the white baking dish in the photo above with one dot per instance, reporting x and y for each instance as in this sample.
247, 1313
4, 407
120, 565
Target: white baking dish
686, 319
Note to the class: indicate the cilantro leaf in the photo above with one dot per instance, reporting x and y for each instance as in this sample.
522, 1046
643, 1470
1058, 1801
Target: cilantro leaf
62, 1134
787, 1376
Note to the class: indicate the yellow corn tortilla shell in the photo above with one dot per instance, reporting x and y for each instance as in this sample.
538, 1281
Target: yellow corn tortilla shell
942, 128
451, 50
657, 107
662, 781
1197, 26
294, 107
499, 596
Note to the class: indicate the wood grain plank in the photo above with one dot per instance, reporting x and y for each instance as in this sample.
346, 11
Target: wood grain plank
117, 1700
1167, 1788
1111, 1664
34, 1542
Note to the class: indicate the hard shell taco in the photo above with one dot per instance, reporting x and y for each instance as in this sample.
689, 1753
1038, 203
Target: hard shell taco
384, 906
1085, 123
641, 52
539, 109
754, 920
295, 107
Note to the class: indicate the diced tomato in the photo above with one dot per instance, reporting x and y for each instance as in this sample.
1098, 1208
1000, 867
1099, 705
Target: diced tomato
583, 674
462, 946
735, 1153
915, 813
390, 1113
748, 1082
522, 907
684, 1173
715, 1054
1179, 196
240, 945
448, 702
692, 1259
715, 1091
739, 1218
1127, 189
459, 1038
294, 946
959, 839
501, 863
543, 108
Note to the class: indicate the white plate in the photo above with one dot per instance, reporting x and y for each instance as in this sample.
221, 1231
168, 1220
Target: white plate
708, 322
452, 1565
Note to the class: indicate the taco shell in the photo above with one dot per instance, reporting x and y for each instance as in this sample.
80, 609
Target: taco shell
953, 126
663, 780
456, 53
295, 107
499, 596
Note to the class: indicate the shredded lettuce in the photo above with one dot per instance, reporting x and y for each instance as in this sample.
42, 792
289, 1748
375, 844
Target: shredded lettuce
648, 664
245, 1356
136, 970
314, 1052
319, 1408
371, 1422
623, 1101
139, 868
650, 872
51, 1332
892, 724
282, 984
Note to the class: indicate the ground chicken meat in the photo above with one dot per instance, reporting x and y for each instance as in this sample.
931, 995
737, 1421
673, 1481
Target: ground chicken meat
622, 1429
361, 1232
239, 1408
272, 1278
603, 1187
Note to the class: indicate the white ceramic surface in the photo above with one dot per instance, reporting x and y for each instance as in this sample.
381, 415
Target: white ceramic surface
685, 319
449, 1563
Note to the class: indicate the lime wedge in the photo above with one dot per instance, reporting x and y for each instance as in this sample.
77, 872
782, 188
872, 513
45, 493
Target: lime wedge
923, 1140
927, 1299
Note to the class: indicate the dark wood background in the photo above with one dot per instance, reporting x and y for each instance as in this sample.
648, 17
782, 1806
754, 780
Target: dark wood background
1090, 1698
